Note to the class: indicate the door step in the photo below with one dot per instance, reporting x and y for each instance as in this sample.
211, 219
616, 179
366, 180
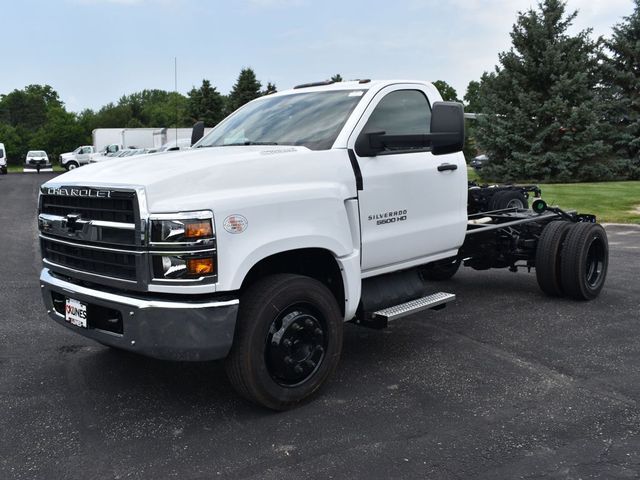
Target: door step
435, 300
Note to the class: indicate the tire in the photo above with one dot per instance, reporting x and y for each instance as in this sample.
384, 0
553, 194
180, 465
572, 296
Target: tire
585, 260
71, 165
548, 256
509, 199
277, 309
442, 270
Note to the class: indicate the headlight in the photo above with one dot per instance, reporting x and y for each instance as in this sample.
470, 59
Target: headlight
195, 227
188, 238
183, 267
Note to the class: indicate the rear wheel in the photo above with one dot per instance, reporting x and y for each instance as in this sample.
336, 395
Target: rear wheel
585, 260
509, 199
548, 257
287, 343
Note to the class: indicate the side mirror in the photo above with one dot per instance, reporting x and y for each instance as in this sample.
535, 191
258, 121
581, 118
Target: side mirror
446, 135
447, 128
197, 133
369, 144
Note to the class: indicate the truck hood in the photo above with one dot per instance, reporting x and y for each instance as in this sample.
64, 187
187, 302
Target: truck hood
211, 174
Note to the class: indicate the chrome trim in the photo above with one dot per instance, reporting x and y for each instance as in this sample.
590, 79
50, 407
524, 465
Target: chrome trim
195, 215
84, 272
121, 226
92, 247
48, 217
174, 253
72, 288
203, 241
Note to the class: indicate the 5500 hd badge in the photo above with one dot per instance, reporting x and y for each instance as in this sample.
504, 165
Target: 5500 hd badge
388, 217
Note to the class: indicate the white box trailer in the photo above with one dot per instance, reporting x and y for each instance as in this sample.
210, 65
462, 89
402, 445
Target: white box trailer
128, 137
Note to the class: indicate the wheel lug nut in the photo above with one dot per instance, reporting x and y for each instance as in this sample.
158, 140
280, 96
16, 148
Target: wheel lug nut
318, 331
319, 348
288, 360
310, 363
308, 322
287, 343
297, 369
296, 327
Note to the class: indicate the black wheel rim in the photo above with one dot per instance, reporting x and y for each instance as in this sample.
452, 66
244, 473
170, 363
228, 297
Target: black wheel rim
296, 345
595, 262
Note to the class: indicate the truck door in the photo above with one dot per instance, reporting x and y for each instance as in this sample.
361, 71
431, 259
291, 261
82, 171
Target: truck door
83, 155
411, 211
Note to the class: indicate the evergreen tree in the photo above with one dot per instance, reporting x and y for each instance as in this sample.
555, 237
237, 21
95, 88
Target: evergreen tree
543, 117
271, 88
206, 104
472, 98
622, 90
246, 88
337, 78
447, 92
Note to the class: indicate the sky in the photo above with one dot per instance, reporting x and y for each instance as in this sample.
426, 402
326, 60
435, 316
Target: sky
94, 51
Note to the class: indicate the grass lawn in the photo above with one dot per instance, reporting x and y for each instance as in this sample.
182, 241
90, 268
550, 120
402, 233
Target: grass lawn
18, 168
610, 202
615, 202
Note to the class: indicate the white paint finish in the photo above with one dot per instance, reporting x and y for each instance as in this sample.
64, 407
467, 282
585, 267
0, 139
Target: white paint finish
435, 202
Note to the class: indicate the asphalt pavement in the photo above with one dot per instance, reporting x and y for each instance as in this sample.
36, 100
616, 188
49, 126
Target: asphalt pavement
503, 383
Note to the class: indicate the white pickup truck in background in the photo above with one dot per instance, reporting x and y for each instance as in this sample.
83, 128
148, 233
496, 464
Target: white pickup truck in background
324, 204
80, 156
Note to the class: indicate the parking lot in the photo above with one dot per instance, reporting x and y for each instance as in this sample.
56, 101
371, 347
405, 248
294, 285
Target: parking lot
504, 383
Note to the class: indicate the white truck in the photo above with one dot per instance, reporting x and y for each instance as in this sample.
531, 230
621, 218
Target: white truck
80, 156
324, 204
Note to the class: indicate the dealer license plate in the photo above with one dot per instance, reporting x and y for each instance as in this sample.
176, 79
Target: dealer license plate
75, 313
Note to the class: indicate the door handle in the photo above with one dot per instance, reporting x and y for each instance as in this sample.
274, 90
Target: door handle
447, 166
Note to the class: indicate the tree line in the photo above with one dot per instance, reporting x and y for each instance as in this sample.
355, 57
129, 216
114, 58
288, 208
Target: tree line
35, 118
560, 106
557, 107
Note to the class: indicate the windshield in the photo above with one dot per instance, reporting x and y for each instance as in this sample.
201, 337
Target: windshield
312, 119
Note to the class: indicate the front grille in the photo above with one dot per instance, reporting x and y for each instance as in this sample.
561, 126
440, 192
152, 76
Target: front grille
99, 262
119, 209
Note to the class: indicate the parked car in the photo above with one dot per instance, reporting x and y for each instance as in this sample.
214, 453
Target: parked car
479, 161
36, 160
3, 159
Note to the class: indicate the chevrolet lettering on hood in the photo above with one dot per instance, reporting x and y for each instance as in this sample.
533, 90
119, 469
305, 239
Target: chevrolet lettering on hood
77, 192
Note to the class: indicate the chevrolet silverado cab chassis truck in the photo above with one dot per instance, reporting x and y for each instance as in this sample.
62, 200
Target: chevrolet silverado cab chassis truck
305, 209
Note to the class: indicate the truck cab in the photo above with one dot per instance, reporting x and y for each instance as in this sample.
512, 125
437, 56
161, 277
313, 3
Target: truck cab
80, 156
304, 209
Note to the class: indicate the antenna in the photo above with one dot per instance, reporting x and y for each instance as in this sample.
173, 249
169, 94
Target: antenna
175, 70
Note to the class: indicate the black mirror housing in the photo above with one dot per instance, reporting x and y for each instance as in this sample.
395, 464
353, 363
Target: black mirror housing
446, 135
197, 133
447, 128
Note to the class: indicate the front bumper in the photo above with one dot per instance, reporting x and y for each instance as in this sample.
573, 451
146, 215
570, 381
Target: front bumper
190, 330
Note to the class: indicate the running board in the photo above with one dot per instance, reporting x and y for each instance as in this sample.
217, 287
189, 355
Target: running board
435, 300
381, 318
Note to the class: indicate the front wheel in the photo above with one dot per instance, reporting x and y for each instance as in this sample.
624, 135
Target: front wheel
71, 165
287, 343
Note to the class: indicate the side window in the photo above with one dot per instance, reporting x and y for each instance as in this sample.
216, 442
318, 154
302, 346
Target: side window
403, 112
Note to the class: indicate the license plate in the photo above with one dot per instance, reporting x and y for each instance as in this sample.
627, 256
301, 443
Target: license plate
75, 313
